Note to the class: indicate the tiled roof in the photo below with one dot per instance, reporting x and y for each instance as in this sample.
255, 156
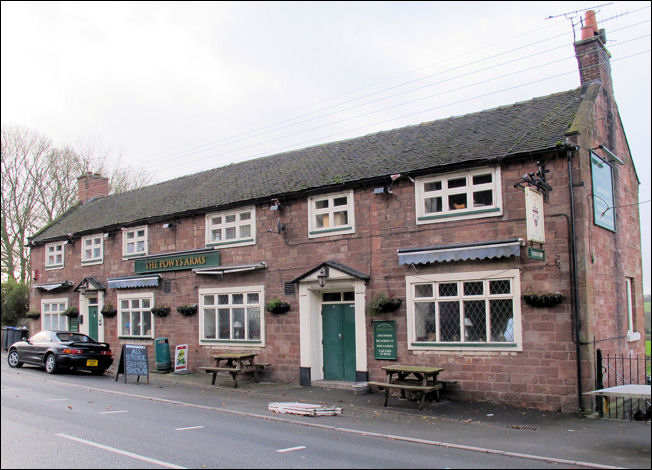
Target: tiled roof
534, 125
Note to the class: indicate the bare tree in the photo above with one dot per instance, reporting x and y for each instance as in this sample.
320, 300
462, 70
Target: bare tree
39, 184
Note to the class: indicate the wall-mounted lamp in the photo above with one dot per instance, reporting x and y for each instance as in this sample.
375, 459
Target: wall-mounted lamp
322, 275
107, 235
611, 155
383, 190
169, 225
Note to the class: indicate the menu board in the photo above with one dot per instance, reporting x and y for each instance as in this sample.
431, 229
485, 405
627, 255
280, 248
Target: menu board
133, 361
385, 340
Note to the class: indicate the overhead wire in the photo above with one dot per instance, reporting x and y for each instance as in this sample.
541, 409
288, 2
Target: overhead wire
241, 136
410, 102
176, 155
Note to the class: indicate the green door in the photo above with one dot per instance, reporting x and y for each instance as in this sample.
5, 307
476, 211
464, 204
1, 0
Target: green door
338, 327
92, 322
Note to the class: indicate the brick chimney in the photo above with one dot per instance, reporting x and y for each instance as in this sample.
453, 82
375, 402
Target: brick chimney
92, 185
592, 56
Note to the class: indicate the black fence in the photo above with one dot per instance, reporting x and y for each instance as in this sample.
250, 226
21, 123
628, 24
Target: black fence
613, 370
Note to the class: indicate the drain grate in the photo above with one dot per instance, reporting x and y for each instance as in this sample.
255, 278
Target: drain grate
523, 427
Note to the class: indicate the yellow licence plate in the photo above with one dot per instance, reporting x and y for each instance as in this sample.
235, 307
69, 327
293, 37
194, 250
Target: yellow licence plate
91, 362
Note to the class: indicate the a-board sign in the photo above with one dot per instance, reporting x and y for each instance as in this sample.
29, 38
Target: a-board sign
385, 340
181, 359
133, 361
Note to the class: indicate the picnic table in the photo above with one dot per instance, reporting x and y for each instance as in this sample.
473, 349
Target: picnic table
419, 379
236, 364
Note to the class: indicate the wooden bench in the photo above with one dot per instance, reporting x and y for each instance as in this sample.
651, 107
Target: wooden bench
409, 387
234, 371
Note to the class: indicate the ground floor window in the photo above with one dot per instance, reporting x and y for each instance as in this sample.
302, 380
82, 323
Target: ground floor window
231, 314
135, 315
480, 309
52, 314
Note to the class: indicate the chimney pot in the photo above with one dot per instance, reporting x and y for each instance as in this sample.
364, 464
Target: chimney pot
590, 27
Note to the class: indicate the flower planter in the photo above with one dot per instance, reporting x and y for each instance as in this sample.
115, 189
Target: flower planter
71, 312
108, 313
32, 314
161, 311
277, 307
381, 303
543, 299
187, 310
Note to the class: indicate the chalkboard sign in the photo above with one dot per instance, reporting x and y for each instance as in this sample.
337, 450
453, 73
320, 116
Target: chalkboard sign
385, 340
133, 361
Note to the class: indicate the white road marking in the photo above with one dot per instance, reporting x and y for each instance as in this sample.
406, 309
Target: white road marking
121, 452
290, 449
56, 399
113, 412
16, 389
190, 427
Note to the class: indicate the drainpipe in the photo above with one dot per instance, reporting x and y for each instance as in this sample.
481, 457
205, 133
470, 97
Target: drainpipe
575, 304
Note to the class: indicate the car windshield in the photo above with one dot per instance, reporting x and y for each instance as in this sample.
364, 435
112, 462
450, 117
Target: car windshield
75, 337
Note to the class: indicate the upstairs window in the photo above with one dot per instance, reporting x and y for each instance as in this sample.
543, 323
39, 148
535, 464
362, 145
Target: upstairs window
134, 242
331, 214
54, 253
465, 194
92, 249
231, 228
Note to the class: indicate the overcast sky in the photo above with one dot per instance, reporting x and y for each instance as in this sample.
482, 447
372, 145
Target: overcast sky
178, 88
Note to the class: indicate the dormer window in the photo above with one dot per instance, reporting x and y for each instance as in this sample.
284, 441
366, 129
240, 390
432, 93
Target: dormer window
465, 194
54, 255
134, 242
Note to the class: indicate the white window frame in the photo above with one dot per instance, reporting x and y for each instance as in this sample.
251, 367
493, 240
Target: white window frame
468, 212
53, 246
260, 290
632, 335
94, 246
314, 230
135, 240
236, 225
62, 303
515, 285
140, 297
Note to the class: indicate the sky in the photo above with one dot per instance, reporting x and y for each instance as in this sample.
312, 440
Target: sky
178, 88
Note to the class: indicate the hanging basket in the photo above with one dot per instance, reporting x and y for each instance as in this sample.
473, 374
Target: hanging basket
381, 303
161, 311
543, 299
108, 310
33, 314
71, 312
277, 306
187, 310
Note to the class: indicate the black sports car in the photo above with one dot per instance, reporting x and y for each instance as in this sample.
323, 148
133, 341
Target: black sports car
56, 350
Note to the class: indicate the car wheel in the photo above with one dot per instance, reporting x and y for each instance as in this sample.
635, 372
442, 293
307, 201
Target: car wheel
50, 364
12, 359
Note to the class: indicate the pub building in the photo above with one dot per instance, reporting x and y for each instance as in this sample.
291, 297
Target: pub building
502, 246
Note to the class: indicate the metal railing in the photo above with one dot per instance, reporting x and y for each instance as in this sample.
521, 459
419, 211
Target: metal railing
619, 369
